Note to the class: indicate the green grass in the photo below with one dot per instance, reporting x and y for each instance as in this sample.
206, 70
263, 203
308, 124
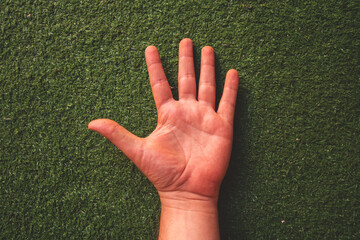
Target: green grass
294, 172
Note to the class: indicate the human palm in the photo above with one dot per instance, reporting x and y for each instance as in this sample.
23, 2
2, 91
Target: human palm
189, 150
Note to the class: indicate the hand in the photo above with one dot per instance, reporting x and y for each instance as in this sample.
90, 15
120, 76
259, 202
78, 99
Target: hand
187, 155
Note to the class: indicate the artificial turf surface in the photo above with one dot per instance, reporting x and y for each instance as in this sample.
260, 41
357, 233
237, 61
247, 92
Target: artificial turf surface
294, 171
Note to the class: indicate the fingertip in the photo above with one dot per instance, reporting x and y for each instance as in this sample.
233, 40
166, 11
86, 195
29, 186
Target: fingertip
207, 56
152, 55
150, 49
97, 124
207, 50
233, 77
186, 43
91, 125
233, 73
185, 40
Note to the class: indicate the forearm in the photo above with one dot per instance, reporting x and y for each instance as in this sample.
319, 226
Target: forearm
189, 219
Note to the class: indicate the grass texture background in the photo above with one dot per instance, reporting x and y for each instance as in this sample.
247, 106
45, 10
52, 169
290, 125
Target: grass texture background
294, 171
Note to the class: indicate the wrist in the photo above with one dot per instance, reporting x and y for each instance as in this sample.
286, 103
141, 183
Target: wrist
188, 202
188, 216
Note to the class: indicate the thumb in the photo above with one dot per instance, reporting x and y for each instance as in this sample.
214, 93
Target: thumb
118, 135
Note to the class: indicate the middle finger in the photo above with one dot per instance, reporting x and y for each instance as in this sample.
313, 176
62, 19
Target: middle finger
186, 76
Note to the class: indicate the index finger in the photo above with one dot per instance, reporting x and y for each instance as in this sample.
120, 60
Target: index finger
159, 84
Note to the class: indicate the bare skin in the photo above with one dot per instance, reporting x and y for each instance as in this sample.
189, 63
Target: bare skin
187, 155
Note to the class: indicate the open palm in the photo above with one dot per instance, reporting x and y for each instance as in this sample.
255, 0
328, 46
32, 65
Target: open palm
189, 151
